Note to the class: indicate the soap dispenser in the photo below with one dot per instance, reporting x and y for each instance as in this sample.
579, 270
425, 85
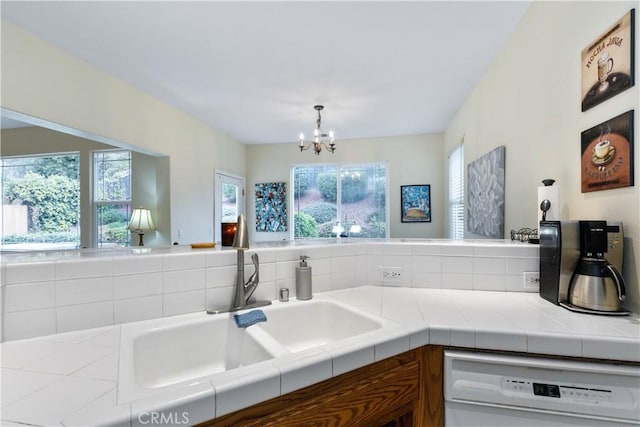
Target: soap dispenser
303, 279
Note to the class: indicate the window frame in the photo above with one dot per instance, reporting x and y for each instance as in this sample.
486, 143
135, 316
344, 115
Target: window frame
456, 202
96, 204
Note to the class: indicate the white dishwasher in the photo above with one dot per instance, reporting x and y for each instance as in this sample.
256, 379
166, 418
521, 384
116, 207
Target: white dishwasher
488, 389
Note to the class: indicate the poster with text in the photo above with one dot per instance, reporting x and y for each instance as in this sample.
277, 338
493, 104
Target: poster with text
607, 154
608, 63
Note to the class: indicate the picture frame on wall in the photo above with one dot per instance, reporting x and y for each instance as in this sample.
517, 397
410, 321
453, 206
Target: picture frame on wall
415, 203
486, 194
271, 207
607, 154
608, 63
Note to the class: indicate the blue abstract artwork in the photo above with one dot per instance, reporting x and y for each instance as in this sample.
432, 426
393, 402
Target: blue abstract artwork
415, 203
271, 207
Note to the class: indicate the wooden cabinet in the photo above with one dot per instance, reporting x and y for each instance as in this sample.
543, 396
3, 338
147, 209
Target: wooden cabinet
402, 391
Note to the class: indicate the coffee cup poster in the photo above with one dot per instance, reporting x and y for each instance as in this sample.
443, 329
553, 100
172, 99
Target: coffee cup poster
607, 154
607, 63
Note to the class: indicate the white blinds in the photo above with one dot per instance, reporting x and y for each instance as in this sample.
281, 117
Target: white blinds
456, 193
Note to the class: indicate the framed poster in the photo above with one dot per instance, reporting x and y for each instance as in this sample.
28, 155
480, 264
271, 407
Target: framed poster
485, 194
415, 203
607, 154
608, 63
271, 207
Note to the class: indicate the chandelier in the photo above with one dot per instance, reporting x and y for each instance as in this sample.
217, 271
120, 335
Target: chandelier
320, 139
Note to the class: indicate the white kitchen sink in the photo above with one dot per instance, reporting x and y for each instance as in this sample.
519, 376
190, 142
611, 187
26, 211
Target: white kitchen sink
299, 326
163, 354
180, 350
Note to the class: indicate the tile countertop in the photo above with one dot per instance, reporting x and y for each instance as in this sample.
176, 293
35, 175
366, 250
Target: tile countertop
71, 379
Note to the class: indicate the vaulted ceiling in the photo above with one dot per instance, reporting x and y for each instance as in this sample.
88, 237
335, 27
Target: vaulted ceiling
254, 70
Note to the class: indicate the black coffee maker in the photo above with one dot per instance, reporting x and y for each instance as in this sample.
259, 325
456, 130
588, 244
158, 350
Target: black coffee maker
596, 286
563, 245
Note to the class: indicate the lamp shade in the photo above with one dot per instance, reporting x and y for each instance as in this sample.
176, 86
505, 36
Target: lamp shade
141, 221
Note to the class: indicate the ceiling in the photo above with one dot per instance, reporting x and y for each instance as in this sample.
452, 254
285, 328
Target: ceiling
254, 70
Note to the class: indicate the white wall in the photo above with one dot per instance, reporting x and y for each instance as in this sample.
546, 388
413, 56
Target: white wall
41, 81
414, 159
529, 101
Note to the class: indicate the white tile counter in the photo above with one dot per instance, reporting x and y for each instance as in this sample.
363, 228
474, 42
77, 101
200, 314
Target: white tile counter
71, 379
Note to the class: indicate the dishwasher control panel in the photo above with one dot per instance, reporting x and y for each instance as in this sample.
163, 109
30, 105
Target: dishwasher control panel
579, 392
580, 389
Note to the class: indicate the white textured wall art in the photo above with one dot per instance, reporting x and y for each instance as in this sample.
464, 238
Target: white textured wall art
485, 194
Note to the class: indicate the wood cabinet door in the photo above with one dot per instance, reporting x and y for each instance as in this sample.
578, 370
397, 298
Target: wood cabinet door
402, 391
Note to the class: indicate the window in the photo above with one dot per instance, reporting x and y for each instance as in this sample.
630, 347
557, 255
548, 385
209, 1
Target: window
112, 197
456, 193
41, 202
339, 200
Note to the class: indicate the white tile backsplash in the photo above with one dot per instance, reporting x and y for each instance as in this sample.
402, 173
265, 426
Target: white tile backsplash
487, 265
183, 302
137, 264
219, 297
69, 292
30, 272
426, 263
519, 265
220, 276
460, 265
183, 280
427, 280
220, 258
489, 282
84, 268
457, 281
183, 261
67, 295
426, 249
342, 264
29, 296
135, 309
286, 270
137, 285
84, 316
30, 323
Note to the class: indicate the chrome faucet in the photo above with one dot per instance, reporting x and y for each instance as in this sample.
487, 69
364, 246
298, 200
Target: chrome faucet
244, 291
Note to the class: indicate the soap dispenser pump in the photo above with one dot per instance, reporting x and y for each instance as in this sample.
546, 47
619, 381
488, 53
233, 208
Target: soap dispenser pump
303, 279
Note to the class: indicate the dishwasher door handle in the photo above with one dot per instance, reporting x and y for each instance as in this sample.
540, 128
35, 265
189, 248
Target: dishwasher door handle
475, 385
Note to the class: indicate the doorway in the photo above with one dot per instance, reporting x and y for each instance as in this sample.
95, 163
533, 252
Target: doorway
229, 200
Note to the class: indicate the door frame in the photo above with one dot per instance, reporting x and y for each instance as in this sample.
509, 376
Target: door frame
220, 177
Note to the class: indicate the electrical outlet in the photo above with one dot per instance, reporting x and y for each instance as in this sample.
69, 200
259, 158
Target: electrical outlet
391, 274
531, 280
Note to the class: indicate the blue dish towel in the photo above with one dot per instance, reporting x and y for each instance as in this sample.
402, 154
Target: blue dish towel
247, 319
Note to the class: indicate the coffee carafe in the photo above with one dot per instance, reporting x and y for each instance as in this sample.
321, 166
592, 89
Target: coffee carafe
596, 285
